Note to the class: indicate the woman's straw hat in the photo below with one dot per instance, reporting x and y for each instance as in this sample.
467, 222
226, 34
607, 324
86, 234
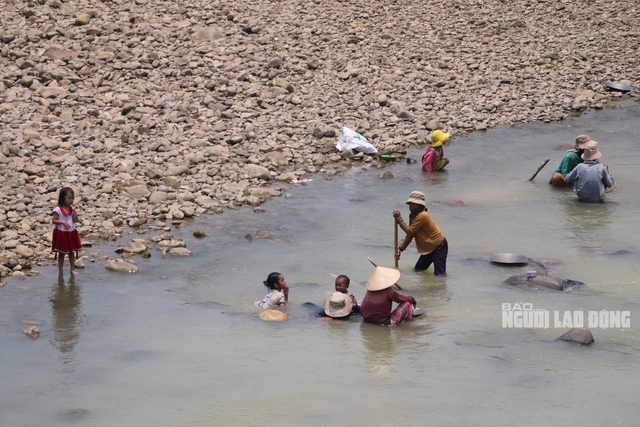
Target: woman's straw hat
382, 278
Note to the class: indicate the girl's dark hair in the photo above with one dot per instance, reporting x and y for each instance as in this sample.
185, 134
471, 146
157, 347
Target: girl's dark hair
272, 280
63, 195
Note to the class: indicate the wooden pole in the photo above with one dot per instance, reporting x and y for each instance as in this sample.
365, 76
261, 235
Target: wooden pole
539, 169
395, 241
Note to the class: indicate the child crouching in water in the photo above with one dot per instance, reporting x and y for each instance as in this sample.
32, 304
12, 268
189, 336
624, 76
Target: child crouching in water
65, 236
342, 285
278, 292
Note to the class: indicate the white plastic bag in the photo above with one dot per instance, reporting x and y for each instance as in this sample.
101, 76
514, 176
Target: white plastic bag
352, 140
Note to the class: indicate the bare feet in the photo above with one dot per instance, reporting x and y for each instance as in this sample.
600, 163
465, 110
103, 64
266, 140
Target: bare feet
73, 272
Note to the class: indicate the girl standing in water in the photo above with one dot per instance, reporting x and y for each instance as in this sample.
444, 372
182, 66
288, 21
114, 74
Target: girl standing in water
65, 236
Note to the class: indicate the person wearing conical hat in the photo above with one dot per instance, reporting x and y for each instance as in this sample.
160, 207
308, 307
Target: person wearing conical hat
591, 177
431, 243
433, 159
377, 302
569, 162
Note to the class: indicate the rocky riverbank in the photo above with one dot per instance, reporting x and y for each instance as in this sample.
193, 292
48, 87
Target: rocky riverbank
156, 111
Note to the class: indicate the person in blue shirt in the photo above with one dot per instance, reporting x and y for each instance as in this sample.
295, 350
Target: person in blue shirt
591, 177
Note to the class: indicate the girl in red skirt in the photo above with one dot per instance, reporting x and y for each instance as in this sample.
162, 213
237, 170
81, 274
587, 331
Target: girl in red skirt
65, 236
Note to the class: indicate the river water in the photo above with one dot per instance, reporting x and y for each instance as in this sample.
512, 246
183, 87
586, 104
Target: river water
180, 344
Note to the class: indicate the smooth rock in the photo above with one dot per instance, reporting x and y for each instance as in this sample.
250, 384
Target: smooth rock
121, 267
580, 335
32, 332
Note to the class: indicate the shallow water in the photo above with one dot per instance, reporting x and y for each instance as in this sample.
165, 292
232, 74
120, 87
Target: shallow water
180, 343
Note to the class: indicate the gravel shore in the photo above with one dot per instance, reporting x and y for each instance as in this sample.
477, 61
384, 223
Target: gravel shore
156, 111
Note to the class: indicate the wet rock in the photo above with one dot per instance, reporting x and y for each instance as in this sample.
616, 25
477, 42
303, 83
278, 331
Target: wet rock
178, 252
200, 234
121, 266
543, 282
32, 332
385, 175
262, 235
135, 247
580, 335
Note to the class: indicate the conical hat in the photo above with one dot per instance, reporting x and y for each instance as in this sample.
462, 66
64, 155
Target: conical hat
382, 278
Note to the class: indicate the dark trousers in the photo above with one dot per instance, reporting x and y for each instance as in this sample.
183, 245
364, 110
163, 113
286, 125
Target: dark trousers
438, 257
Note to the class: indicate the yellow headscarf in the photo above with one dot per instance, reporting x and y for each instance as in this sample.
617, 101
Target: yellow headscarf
438, 138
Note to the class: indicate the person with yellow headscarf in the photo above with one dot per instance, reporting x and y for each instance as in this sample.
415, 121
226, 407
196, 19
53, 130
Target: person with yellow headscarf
433, 159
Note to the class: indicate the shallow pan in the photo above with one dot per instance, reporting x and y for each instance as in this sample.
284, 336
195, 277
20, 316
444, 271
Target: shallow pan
618, 87
509, 259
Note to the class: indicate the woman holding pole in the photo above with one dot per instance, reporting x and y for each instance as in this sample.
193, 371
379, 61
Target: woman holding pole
431, 243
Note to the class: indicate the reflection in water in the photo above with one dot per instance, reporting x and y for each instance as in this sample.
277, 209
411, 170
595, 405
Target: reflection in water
380, 347
65, 312
588, 220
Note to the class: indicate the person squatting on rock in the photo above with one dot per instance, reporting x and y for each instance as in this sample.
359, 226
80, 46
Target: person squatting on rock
569, 162
377, 302
431, 243
65, 236
591, 177
278, 295
433, 159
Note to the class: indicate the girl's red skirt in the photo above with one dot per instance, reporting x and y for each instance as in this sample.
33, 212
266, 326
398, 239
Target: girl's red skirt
65, 242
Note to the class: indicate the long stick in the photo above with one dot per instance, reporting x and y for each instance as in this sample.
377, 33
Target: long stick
395, 241
374, 264
539, 169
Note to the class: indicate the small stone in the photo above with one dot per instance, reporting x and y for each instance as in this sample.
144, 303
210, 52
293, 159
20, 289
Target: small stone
32, 332
199, 234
